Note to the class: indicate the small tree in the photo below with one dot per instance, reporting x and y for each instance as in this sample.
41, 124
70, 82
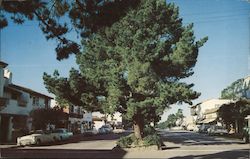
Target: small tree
42, 117
172, 119
234, 113
234, 91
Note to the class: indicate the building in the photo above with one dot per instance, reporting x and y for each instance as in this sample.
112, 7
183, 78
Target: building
206, 112
79, 119
16, 103
100, 119
115, 119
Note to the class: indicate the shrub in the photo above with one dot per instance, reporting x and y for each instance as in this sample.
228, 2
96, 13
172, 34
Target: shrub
126, 142
132, 141
152, 139
149, 130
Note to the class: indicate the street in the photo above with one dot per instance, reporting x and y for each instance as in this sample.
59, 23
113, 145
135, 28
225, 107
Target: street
179, 145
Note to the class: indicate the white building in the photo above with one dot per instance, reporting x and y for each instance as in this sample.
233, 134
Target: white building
79, 119
16, 102
100, 119
206, 112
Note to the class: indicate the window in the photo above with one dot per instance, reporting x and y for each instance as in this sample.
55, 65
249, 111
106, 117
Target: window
46, 103
35, 101
79, 110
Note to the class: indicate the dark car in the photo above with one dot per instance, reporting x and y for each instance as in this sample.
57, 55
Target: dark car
246, 131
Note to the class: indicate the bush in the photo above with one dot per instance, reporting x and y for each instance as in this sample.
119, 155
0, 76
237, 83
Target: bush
126, 142
153, 139
132, 141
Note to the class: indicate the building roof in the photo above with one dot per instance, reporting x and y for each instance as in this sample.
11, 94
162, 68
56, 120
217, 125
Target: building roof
210, 111
208, 120
13, 86
13, 90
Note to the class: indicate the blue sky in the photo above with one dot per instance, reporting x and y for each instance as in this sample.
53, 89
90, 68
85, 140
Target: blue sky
222, 60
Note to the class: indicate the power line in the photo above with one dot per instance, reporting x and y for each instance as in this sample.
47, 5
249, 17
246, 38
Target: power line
217, 20
213, 12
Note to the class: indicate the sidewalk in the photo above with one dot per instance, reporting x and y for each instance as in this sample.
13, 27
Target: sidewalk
8, 145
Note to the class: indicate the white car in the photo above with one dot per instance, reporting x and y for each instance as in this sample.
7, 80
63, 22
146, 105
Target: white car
62, 134
37, 138
193, 127
217, 130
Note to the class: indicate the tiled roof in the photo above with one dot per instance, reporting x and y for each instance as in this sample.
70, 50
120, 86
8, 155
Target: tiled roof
28, 90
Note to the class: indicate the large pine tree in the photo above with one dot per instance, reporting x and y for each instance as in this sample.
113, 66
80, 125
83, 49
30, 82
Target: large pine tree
134, 66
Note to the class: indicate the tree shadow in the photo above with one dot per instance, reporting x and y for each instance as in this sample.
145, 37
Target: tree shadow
233, 154
81, 137
170, 148
187, 138
61, 153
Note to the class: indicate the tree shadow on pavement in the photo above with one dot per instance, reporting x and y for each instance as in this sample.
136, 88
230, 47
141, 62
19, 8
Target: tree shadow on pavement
170, 148
198, 139
80, 137
233, 154
61, 153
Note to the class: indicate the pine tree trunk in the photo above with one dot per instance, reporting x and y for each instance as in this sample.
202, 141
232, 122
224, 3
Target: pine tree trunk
138, 126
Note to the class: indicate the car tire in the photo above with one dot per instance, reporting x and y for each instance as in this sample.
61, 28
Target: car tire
38, 142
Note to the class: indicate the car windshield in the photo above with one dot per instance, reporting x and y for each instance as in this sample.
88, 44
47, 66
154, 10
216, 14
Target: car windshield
37, 132
219, 127
59, 131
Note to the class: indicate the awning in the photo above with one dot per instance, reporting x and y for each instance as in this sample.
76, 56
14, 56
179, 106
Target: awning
210, 111
208, 120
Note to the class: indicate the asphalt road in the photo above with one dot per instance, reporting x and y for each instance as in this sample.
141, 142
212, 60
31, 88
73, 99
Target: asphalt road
179, 145
184, 144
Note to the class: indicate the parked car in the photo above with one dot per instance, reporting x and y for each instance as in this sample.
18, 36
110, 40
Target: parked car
217, 130
204, 128
245, 137
62, 134
37, 137
192, 127
94, 131
105, 129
